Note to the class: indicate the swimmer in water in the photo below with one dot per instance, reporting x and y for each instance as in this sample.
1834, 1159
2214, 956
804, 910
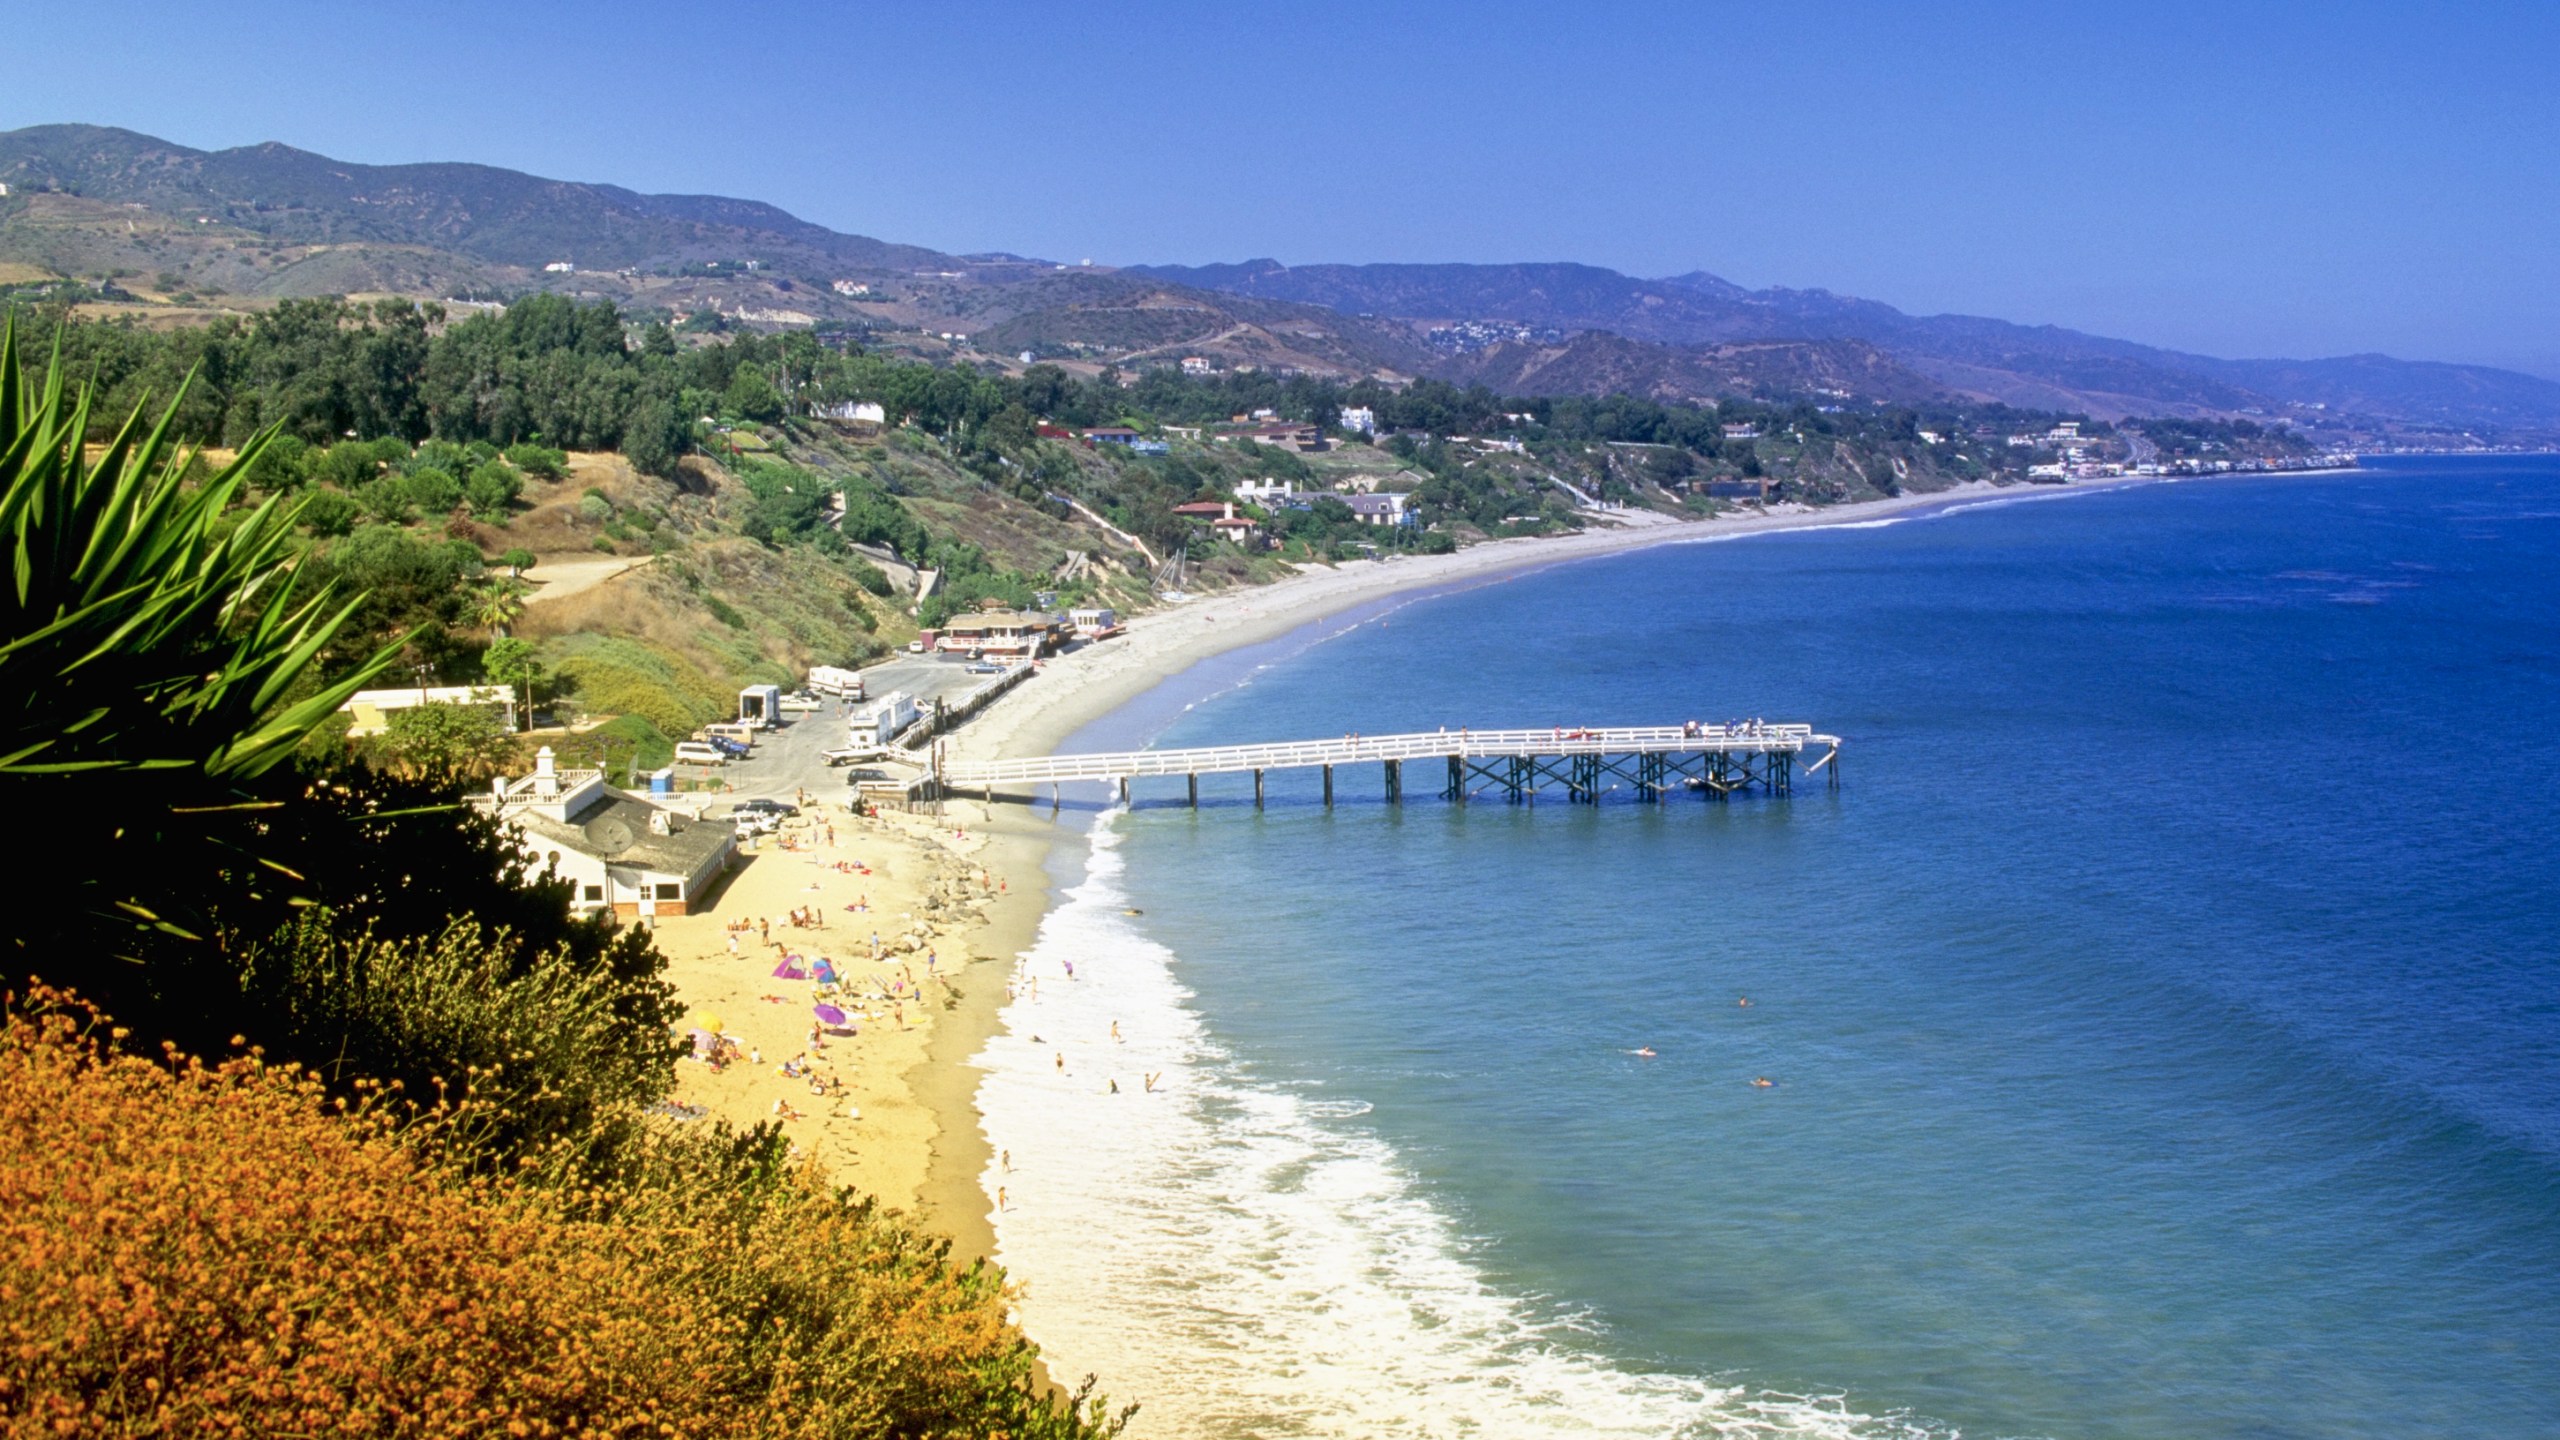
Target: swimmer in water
1744, 1002
1644, 1052
1762, 1082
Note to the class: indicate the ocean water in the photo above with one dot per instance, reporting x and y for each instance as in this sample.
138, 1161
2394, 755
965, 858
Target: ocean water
2164, 1013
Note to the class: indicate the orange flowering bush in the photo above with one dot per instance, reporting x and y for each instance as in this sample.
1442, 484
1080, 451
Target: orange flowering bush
227, 1251
195, 1250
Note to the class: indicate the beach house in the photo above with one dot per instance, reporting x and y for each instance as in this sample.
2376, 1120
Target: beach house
999, 634
621, 854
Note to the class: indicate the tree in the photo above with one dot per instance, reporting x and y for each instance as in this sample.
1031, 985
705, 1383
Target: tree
449, 745
495, 606
655, 437
493, 487
511, 663
751, 396
517, 561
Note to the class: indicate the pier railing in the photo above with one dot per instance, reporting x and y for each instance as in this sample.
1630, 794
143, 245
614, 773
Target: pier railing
1718, 758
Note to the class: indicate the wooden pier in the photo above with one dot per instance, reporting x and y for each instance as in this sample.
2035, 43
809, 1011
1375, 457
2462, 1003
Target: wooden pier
1718, 761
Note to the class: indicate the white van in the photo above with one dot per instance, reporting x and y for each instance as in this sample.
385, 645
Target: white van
694, 752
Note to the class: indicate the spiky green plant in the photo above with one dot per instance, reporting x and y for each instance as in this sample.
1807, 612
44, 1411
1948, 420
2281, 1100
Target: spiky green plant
143, 625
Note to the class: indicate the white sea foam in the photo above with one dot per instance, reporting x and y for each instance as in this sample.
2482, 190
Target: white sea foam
1245, 1262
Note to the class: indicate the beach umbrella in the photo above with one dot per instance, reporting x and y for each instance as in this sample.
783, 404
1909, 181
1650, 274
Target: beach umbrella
825, 971
830, 1015
790, 969
704, 1020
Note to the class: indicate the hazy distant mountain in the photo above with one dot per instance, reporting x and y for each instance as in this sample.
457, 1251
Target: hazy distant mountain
1595, 362
2044, 366
269, 220
489, 214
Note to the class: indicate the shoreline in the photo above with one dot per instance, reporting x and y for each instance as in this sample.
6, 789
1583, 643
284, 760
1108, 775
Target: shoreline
1076, 690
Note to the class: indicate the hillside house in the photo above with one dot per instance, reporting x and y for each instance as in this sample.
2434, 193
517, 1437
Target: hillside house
1755, 491
1287, 434
622, 855
1197, 365
1742, 431
1092, 622
1382, 507
1358, 418
1111, 435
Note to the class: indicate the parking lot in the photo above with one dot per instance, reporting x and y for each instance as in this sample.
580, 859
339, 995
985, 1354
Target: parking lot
792, 757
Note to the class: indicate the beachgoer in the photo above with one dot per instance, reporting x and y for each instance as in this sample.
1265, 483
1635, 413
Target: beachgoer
999, 1197
1646, 1051
1744, 1002
1761, 1082
1062, 1062
1115, 1087
1115, 1032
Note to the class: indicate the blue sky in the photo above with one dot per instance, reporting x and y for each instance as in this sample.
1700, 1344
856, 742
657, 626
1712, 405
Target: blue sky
2235, 178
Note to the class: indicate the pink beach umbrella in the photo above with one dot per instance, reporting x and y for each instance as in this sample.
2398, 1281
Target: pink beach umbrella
831, 1017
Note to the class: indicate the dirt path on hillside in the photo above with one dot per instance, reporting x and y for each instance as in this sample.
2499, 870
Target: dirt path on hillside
556, 579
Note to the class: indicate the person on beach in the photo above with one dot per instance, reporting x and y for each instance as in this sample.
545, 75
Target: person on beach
1115, 1032
1000, 1196
1062, 1062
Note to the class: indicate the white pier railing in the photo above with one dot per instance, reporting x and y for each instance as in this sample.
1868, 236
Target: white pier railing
1751, 739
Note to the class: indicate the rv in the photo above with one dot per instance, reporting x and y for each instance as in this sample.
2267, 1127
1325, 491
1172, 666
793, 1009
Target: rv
837, 681
884, 721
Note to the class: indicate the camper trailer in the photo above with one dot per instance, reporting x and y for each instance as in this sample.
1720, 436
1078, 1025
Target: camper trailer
837, 681
760, 706
883, 721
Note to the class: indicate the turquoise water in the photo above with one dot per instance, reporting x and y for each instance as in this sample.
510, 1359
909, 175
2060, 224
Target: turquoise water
2164, 1013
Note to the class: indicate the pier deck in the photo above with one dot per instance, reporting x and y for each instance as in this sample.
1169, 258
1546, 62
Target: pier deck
1717, 760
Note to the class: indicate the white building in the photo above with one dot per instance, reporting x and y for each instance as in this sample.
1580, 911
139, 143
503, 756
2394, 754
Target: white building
560, 267
850, 287
1358, 418
620, 853
373, 709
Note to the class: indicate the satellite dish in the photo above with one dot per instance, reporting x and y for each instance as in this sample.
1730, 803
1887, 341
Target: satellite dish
612, 834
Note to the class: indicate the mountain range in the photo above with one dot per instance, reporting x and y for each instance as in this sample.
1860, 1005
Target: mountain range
182, 228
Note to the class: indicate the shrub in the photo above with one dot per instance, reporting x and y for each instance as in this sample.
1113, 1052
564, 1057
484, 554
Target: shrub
348, 465
432, 489
493, 487
535, 1045
330, 513
870, 577
593, 506
285, 464
197, 1250
210, 1250
628, 677
385, 501
535, 459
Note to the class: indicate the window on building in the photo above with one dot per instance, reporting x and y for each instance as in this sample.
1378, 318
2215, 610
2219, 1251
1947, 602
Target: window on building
669, 890
595, 892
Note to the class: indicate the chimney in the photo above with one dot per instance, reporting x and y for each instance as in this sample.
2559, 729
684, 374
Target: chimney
1231, 510
546, 775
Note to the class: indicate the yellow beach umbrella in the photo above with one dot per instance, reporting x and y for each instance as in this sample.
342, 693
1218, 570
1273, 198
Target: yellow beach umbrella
703, 1020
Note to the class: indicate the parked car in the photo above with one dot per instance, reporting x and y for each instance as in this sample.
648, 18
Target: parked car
735, 750
755, 822
775, 808
695, 752
985, 667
